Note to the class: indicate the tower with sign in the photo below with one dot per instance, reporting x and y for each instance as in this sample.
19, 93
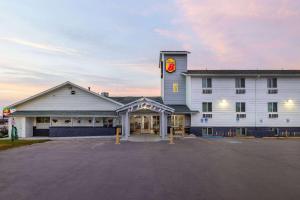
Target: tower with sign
173, 84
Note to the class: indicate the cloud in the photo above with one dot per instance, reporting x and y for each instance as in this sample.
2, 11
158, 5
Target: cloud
240, 31
183, 38
45, 47
171, 34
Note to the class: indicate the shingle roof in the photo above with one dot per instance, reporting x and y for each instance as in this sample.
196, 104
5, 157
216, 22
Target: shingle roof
129, 99
64, 113
243, 72
181, 109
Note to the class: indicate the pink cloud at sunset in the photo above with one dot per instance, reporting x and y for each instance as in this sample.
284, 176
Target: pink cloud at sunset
115, 47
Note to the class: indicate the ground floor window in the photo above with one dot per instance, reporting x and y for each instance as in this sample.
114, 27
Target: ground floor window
108, 122
43, 120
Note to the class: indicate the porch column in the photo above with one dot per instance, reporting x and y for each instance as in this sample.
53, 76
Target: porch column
123, 124
163, 125
127, 125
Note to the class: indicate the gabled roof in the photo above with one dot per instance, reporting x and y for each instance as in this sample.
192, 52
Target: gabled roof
60, 86
243, 72
144, 99
182, 109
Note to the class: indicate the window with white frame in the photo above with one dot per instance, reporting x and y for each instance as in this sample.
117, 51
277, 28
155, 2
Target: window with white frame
240, 83
240, 107
175, 87
272, 86
206, 85
43, 120
240, 86
273, 109
272, 82
207, 109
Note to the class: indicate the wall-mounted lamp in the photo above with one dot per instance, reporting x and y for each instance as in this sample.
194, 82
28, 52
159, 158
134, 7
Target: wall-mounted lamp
289, 104
223, 103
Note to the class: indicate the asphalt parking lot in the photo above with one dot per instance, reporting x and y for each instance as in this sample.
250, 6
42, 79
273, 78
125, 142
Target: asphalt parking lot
191, 169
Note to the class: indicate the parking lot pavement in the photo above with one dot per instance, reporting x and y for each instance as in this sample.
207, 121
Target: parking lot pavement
199, 168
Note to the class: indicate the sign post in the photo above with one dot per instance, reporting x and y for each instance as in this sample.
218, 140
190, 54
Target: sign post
117, 136
171, 136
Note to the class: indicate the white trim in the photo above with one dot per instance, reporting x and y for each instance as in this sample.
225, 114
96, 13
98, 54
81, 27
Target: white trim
241, 75
146, 100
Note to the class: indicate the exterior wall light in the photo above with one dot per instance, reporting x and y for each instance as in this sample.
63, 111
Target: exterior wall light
289, 104
223, 103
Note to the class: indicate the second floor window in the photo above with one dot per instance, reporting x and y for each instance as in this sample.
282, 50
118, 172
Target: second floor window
206, 83
240, 107
175, 87
240, 83
272, 82
207, 107
272, 107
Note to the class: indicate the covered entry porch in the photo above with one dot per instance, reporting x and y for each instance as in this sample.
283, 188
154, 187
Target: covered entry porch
144, 117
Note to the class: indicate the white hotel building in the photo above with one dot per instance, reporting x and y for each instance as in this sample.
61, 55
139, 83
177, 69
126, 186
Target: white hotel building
201, 102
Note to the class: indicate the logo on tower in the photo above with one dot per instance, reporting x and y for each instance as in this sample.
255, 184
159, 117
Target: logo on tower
170, 65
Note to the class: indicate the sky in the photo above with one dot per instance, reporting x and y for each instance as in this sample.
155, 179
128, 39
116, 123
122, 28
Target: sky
114, 45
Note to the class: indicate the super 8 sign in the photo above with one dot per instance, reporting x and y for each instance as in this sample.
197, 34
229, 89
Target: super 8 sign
170, 65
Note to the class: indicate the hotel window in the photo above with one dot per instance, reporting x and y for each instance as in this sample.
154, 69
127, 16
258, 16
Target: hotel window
207, 109
273, 109
175, 87
240, 108
108, 122
240, 86
206, 85
272, 86
43, 120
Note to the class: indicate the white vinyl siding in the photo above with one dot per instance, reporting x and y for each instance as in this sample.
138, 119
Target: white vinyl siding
256, 99
62, 99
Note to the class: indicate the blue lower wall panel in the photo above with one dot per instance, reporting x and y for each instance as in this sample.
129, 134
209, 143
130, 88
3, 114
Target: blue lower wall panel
251, 131
40, 132
80, 131
196, 131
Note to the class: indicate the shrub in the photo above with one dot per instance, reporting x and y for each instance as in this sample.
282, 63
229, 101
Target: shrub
3, 132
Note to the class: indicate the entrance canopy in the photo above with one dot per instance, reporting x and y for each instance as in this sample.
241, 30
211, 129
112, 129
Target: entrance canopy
144, 104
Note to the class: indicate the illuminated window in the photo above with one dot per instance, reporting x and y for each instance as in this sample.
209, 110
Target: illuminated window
175, 87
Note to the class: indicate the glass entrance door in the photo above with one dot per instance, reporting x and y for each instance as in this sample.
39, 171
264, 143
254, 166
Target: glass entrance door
135, 124
144, 124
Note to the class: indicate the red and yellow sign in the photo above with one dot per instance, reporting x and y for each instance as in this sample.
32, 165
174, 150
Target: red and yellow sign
6, 112
170, 65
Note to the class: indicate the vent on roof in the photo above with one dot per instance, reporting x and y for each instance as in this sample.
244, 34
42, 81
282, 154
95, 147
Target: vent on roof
105, 94
73, 92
